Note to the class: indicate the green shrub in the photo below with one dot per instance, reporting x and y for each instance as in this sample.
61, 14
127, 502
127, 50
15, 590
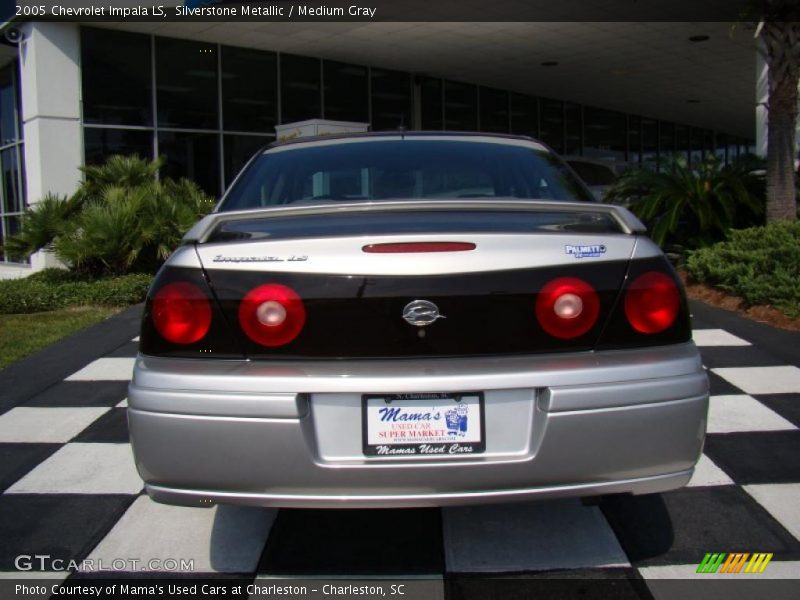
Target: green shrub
121, 220
693, 205
52, 289
760, 264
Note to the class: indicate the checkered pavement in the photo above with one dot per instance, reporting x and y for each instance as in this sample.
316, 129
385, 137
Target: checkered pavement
70, 490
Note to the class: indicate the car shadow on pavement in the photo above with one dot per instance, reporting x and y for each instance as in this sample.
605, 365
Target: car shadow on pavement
354, 543
642, 524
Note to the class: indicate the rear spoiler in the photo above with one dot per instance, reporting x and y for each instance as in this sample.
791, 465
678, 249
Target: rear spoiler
202, 229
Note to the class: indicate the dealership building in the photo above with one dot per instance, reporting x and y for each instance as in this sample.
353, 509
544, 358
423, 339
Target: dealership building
207, 95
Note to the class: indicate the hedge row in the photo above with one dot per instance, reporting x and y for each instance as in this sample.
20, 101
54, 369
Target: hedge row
52, 289
760, 264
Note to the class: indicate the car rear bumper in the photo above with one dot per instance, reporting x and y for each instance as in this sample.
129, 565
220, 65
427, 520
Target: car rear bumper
290, 434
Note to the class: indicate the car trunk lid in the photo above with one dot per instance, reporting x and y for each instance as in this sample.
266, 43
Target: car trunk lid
359, 270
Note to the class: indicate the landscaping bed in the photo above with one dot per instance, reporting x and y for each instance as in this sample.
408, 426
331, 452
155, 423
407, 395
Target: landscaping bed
755, 272
24, 334
54, 303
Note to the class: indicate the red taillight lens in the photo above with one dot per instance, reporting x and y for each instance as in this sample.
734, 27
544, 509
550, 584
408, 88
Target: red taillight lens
272, 314
567, 307
181, 313
652, 302
411, 247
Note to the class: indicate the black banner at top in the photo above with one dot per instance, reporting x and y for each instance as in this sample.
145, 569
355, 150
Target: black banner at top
375, 10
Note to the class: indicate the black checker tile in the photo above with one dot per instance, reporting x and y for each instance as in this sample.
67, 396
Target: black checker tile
110, 428
17, 460
355, 542
64, 526
786, 405
680, 527
82, 393
715, 357
757, 457
720, 386
587, 584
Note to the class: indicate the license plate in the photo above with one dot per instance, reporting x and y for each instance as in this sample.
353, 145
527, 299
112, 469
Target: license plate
447, 424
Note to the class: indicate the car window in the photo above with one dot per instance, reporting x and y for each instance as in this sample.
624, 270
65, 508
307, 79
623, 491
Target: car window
402, 169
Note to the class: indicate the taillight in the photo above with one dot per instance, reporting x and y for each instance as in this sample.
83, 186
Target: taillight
567, 307
181, 313
652, 302
418, 247
272, 314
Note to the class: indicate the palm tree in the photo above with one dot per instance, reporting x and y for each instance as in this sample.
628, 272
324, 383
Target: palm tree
122, 219
692, 205
779, 31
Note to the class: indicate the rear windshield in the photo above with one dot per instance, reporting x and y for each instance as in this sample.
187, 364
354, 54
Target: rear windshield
403, 169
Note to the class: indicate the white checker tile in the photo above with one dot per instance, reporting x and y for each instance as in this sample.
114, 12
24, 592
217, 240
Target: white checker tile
47, 425
561, 534
782, 501
776, 569
707, 473
83, 469
763, 380
123, 404
226, 539
136, 339
105, 369
717, 337
729, 414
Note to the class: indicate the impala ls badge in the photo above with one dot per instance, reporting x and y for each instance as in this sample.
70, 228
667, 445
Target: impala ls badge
421, 313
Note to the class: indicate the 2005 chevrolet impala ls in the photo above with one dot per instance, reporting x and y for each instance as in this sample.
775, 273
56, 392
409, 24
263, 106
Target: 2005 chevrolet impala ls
426, 319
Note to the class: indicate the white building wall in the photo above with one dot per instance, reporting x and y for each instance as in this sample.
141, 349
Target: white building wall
50, 80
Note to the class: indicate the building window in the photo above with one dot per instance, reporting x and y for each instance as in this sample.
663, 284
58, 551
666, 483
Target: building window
696, 146
346, 95
431, 109
300, 88
249, 90
100, 142
391, 99
634, 139
12, 186
649, 143
605, 134
192, 155
460, 106
186, 84
708, 143
666, 139
209, 107
524, 115
117, 80
682, 142
9, 107
721, 148
551, 124
494, 110
573, 129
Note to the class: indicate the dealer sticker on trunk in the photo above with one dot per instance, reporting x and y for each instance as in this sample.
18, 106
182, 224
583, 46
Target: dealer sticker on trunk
444, 424
585, 250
